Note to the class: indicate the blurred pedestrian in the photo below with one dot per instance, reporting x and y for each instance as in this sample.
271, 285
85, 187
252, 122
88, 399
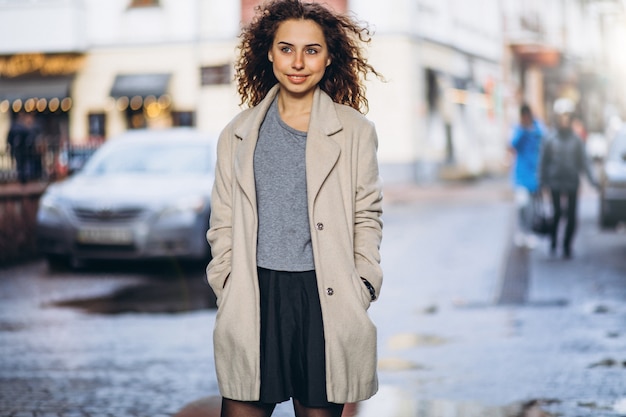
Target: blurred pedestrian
563, 160
526, 144
23, 139
296, 219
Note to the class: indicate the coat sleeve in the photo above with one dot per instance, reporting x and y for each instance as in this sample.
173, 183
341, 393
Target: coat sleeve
368, 210
219, 234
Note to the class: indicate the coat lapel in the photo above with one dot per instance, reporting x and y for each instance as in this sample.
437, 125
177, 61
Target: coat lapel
248, 132
322, 153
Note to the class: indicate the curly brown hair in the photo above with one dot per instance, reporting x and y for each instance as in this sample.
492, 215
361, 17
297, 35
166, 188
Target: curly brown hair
343, 79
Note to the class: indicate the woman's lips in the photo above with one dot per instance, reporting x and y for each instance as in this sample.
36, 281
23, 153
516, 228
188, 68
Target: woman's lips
297, 79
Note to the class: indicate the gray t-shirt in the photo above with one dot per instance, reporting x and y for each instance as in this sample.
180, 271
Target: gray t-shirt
284, 237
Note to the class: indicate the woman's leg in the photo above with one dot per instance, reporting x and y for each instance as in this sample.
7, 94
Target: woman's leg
232, 408
333, 410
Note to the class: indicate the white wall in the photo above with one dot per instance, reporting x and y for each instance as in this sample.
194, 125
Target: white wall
42, 26
393, 104
111, 22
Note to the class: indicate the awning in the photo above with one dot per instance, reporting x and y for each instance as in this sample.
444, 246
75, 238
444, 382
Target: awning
48, 88
537, 53
143, 85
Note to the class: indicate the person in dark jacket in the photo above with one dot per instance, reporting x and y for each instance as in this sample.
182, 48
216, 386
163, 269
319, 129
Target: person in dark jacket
22, 138
563, 160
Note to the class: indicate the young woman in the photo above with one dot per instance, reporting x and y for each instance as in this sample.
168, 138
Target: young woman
296, 219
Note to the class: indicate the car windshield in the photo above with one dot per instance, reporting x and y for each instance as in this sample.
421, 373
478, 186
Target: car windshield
617, 152
151, 159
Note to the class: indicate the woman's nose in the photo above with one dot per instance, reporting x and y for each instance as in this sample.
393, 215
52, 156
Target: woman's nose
298, 61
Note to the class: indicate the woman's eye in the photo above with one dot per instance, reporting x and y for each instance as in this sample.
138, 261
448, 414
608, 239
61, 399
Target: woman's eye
285, 49
311, 51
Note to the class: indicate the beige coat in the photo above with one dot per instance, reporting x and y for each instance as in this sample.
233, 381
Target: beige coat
345, 205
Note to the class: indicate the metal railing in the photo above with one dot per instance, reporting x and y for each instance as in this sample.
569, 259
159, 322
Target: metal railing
43, 165
8, 172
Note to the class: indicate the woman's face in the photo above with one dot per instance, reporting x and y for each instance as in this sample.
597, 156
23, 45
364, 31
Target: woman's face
299, 56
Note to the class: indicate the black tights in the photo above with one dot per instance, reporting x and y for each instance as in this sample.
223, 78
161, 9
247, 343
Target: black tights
232, 408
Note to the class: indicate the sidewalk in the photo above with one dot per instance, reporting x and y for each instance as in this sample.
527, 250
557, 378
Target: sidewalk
493, 188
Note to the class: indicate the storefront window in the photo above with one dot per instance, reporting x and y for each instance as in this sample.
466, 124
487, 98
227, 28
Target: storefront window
97, 123
135, 118
184, 118
215, 75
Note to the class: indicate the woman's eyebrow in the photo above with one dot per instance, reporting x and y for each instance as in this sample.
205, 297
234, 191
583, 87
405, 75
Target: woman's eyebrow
290, 44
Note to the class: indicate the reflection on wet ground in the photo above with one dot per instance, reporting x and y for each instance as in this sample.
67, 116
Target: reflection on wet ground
169, 287
393, 402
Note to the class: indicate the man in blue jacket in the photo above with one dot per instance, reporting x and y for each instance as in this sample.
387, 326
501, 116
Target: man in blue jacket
526, 143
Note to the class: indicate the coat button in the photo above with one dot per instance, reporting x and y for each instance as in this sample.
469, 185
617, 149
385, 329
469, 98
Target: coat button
319, 226
330, 291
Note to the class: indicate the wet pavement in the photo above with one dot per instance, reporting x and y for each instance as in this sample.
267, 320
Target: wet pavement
488, 328
142, 358
469, 325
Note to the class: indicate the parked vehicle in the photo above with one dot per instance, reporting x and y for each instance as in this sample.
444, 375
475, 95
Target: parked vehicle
596, 146
77, 157
613, 183
142, 195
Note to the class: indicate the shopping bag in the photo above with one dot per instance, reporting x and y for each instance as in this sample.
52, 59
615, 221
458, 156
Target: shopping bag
541, 217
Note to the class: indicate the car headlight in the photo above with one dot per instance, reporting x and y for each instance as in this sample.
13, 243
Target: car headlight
50, 209
189, 206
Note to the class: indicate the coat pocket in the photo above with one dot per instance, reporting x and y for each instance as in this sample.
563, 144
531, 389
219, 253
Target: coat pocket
361, 290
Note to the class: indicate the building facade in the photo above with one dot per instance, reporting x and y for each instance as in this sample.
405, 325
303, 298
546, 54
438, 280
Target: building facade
455, 71
568, 49
442, 61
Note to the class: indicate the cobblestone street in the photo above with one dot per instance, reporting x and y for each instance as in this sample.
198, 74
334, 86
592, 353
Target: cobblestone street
59, 361
134, 340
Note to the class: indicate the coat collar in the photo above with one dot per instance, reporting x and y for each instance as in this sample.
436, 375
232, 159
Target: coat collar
322, 153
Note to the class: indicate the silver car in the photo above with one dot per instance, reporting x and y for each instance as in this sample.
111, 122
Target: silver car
613, 184
143, 195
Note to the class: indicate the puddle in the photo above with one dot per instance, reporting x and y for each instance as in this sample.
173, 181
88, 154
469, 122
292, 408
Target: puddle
609, 363
166, 288
11, 327
620, 406
596, 408
398, 364
410, 340
394, 402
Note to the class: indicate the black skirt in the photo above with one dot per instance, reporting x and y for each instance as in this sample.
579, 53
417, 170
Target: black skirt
293, 363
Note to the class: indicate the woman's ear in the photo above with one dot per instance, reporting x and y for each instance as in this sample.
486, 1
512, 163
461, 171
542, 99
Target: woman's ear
328, 61
270, 57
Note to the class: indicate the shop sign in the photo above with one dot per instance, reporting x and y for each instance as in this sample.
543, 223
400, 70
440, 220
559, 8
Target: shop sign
40, 64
